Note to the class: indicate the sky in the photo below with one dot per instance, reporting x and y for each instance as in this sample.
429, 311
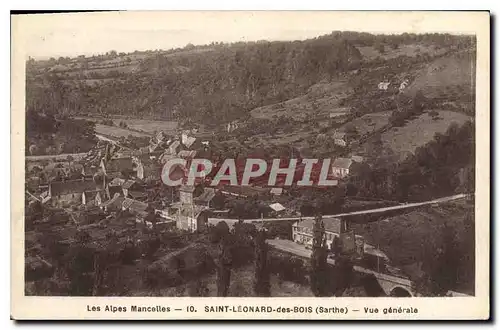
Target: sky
54, 35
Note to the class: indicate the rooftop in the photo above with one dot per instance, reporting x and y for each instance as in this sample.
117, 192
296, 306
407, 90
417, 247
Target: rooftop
187, 153
127, 184
134, 205
338, 135
58, 188
277, 207
207, 195
244, 191
117, 182
115, 202
91, 193
119, 164
137, 194
342, 163
332, 225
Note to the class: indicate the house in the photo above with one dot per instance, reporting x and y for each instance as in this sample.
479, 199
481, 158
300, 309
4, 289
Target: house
134, 206
357, 159
149, 170
302, 231
160, 137
244, 191
205, 198
232, 126
186, 194
166, 156
173, 148
187, 154
340, 139
137, 208
113, 205
138, 195
403, 85
341, 167
92, 196
277, 207
114, 187
187, 140
65, 192
384, 85
127, 186
116, 166
193, 218
189, 213
44, 197
276, 191
90, 170
145, 156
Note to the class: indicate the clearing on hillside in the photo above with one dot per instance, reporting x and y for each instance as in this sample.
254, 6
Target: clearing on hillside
451, 76
417, 132
321, 100
370, 53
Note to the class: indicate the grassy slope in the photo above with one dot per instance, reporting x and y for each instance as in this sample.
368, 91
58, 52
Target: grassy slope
412, 50
324, 95
420, 131
452, 75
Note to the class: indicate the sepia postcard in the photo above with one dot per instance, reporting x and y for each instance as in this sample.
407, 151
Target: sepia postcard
185, 165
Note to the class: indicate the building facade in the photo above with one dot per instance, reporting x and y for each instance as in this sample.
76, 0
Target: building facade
303, 231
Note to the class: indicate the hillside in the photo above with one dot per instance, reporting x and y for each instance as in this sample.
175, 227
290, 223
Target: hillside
222, 82
282, 94
416, 238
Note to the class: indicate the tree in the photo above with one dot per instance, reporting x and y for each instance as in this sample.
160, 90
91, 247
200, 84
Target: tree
380, 48
441, 265
319, 265
80, 267
419, 102
448, 259
69, 159
262, 286
224, 266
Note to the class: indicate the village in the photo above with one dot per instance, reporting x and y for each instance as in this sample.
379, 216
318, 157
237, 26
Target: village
101, 217
115, 194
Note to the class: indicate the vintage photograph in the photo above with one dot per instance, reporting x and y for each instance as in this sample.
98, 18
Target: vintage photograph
223, 163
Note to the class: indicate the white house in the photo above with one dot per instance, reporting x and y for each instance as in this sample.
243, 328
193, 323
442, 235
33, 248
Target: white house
340, 139
383, 85
303, 231
341, 167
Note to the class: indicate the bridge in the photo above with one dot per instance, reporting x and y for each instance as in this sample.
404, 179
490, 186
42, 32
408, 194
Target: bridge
214, 221
392, 284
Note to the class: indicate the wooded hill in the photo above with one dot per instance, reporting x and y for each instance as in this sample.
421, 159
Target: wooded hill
220, 82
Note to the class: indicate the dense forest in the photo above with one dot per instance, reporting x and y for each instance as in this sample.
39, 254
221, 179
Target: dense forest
213, 83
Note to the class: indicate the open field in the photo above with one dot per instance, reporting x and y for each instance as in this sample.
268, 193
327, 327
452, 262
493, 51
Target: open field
147, 126
117, 131
322, 99
451, 75
420, 131
370, 122
370, 53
